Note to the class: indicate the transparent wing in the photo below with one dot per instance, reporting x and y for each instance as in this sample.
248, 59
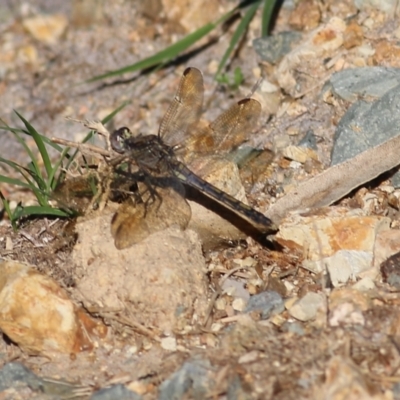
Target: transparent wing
228, 131
235, 125
185, 109
134, 222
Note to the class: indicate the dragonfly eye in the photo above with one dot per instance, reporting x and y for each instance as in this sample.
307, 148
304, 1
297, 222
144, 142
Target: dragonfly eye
118, 139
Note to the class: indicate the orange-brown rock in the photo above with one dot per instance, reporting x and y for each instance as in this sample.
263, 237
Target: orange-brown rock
38, 315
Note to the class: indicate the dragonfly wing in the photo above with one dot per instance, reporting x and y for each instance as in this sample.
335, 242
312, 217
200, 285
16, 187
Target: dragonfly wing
185, 109
134, 222
234, 126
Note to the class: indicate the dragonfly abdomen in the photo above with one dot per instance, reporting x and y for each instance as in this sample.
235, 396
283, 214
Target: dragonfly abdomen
254, 217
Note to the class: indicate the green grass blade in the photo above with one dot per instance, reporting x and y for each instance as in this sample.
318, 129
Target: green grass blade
110, 116
6, 204
52, 178
42, 210
238, 34
12, 164
15, 182
40, 183
104, 121
32, 174
48, 141
163, 56
16, 215
45, 184
7, 208
25, 172
33, 168
42, 137
32, 157
21, 170
268, 9
170, 52
39, 143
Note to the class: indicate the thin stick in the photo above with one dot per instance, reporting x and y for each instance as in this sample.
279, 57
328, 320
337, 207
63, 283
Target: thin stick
83, 147
132, 324
218, 291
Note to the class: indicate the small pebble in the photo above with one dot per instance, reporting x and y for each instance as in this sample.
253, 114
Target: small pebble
168, 343
239, 304
390, 270
249, 357
220, 304
266, 303
293, 327
307, 307
216, 327
364, 284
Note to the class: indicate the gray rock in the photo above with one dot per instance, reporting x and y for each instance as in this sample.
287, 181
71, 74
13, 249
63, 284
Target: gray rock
387, 6
366, 125
346, 265
351, 84
236, 289
293, 327
396, 180
243, 154
267, 303
193, 376
390, 270
236, 391
309, 140
14, 375
273, 48
117, 392
307, 308
396, 391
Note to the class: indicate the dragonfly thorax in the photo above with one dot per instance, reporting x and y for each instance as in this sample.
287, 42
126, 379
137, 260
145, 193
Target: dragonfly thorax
148, 151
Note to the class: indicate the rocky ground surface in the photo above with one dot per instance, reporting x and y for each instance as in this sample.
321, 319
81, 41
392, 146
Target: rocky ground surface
209, 312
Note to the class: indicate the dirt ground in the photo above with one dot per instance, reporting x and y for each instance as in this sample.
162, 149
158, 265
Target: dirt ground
220, 350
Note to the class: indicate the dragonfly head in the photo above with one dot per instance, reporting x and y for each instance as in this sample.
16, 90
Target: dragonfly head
118, 139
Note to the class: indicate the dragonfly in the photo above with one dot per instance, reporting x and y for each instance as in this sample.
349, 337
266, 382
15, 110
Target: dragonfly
179, 141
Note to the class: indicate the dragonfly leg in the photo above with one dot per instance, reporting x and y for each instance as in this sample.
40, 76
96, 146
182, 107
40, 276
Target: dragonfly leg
153, 195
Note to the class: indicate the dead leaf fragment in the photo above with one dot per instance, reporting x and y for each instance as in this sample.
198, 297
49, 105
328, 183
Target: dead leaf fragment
353, 35
305, 16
